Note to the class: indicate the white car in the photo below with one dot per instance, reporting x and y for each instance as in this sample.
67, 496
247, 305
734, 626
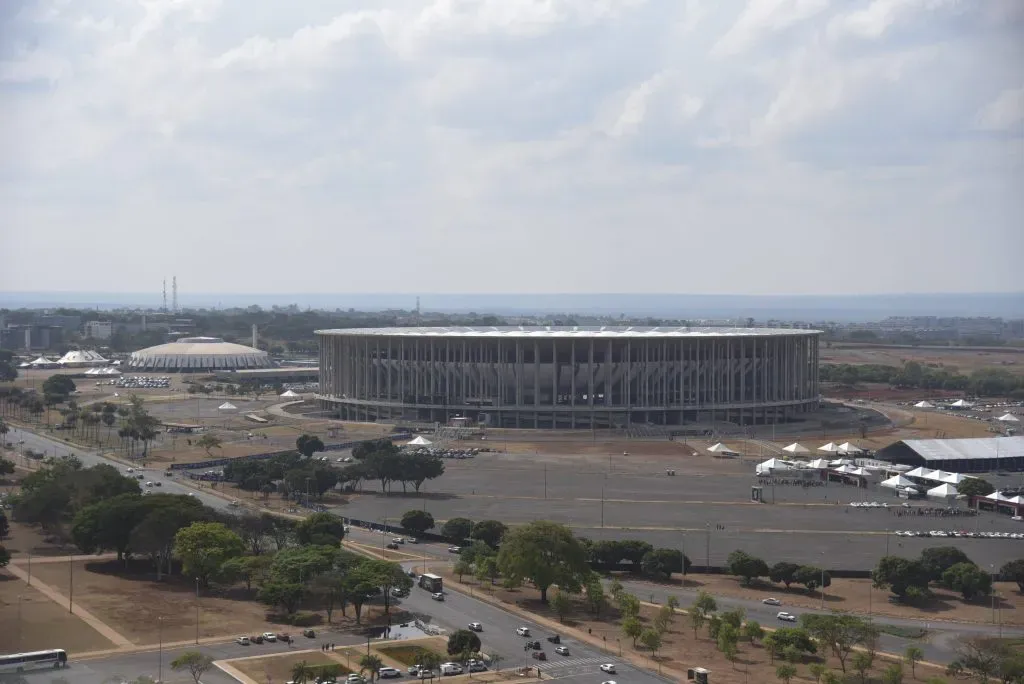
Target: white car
476, 627
451, 669
523, 631
454, 549
562, 650
786, 617
269, 636
388, 673
608, 667
772, 602
398, 540
437, 596
149, 484
242, 641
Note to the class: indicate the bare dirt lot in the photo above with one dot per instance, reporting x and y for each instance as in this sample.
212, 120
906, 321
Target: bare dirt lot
278, 668
29, 540
963, 360
30, 621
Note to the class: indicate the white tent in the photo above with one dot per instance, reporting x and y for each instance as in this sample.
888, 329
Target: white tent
227, 406
924, 404
960, 403
896, 482
720, 448
921, 472
840, 462
819, 463
852, 470
43, 361
937, 476
953, 478
419, 440
847, 448
288, 394
831, 448
796, 448
772, 465
1008, 418
943, 491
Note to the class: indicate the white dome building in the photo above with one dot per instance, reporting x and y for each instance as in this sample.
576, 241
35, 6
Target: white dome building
78, 358
196, 355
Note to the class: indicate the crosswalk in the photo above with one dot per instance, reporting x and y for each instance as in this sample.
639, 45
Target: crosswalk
561, 666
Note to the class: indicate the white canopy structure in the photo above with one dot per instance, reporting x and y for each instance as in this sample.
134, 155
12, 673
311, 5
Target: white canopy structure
953, 478
719, 448
773, 465
288, 394
78, 358
922, 472
924, 404
796, 448
831, 448
851, 470
848, 448
840, 462
943, 491
896, 482
1008, 418
227, 406
419, 440
960, 403
819, 463
43, 362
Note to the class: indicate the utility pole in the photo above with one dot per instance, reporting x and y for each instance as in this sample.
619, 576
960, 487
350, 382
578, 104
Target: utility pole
71, 583
707, 567
197, 611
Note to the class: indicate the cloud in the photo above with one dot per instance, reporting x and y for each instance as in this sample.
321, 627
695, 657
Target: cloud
584, 144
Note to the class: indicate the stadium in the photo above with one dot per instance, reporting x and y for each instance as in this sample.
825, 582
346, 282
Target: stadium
198, 355
569, 378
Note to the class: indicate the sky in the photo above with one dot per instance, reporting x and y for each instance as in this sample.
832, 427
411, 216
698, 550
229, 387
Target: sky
485, 146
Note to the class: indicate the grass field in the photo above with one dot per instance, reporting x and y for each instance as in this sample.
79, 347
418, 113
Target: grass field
408, 654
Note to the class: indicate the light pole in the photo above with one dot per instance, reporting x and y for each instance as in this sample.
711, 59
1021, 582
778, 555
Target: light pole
992, 574
71, 583
197, 611
602, 506
160, 661
707, 566
823, 580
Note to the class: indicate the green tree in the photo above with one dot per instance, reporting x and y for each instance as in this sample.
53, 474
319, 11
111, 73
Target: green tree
632, 628
207, 442
370, 663
893, 674
664, 562
594, 589
360, 582
487, 569
195, 663
417, 521
747, 567
913, 655
475, 551
61, 386
811, 577
974, 486
629, 605
968, 579
307, 445
282, 593
489, 532
938, 559
203, 548
697, 619
5, 526
651, 640
6, 466
461, 568
5, 556
783, 572
843, 633
900, 575
321, 529
457, 530
329, 589
544, 553
302, 672
1014, 570
785, 673
462, 641
663, 619
861, 663
249, 569
107, 525
817, 670
705, 602
561, 604
753, 631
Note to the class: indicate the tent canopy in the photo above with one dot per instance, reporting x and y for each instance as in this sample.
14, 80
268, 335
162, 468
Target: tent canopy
848, 448
924, 404
1008, 418
896, 481
943, 491
960, 403
773, 464
419, 440
288, 394
953, 478
227, 406
796, 448
921, 471
819, 463
831, 447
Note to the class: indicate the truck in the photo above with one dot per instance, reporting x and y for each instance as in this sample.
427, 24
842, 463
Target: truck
432, 583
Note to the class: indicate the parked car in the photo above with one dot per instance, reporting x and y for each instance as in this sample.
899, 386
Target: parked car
523, 631
242, 641
269, 636
393, 546
388, 673
609, 668
437, 596
454, 549
539, 655
476, 666
562, 650
533, 644
555, 639
257, 639
309, 633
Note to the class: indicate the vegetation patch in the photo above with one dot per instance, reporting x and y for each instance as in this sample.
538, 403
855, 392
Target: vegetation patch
407, 654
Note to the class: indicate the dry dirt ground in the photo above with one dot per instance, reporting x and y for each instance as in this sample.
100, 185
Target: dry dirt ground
39, 623
278, 668
963, 360
133, 601
857, 596
681, 648
29, 540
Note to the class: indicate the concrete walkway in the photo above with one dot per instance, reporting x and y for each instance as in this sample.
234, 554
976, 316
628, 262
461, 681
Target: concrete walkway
46, 590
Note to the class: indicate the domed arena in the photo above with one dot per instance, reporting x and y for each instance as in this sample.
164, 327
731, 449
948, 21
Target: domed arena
197, 355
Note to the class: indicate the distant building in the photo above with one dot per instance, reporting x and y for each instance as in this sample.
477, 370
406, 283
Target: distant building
198, 354
31, 337
972, 455
98, 330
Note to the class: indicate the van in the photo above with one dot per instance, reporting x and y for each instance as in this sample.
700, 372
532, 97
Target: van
451, 669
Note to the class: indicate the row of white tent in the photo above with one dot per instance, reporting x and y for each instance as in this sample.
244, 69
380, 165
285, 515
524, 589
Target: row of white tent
960, 403
778, 465
830, 448
103, 372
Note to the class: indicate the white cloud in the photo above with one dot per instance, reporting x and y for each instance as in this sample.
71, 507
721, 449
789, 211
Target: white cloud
583, 144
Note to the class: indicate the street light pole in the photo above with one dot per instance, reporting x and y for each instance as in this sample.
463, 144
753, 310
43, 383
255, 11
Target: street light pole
71, 583
602, 506
160, 662
197, 611
707, 566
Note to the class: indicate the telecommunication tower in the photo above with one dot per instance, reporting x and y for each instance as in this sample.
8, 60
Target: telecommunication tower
174, 293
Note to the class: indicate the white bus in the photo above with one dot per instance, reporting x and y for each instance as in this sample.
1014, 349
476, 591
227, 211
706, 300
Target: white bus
20, 662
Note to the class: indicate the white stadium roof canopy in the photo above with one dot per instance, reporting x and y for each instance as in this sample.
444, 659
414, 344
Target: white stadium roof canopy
584, 332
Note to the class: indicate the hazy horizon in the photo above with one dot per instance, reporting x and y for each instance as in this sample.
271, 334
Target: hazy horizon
808, 147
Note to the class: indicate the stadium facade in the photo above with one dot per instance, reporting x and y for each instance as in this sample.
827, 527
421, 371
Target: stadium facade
197, 355
570, 378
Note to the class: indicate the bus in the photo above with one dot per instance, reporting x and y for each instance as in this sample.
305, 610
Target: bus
431, 583
19, 662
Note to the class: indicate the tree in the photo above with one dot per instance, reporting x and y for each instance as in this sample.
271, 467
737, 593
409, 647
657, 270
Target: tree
633, 628
307, 445
968, 579
6, 466
634, 550
785, 673
664, 562
663, 619
107, 525
462, 641
5, 556
783, 572
861, 664
249, 569
282, 593
5, 526
786, 639
974, 486
496, 659
913, 655
594, 589
461, 568
1014, 570
753, 631
372, 664
938, 559
195, 662
900, 574
475, 551
61, 386
893, 674
360, 582
302, 672
544, 553
705, 602
487, 569
417, 521
629, 605
651, 639
696, 621
746, 566
811, 577
203, 547
843, 633
561, 604
457, 530
321, 529
489, 532
207, 442
817, 670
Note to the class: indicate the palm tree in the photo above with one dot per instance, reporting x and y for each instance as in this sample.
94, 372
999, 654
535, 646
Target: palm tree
372, 664
301, 671
3, 431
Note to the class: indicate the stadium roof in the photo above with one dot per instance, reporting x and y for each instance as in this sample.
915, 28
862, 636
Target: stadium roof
967, 449
570, 332
194, 353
